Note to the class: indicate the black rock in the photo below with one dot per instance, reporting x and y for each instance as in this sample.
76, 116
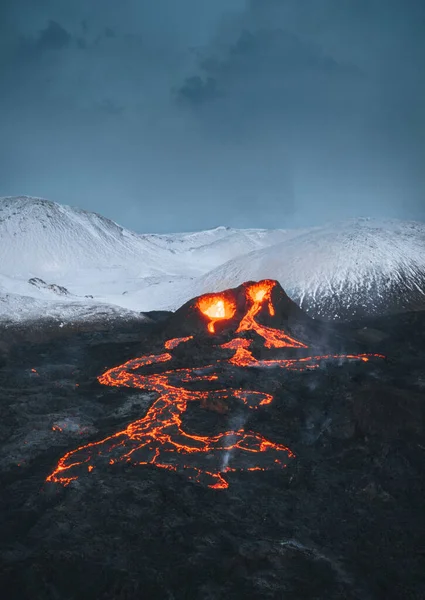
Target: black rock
344, 520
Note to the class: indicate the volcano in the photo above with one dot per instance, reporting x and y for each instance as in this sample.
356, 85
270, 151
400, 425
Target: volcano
239, 309
220, 452
220, 331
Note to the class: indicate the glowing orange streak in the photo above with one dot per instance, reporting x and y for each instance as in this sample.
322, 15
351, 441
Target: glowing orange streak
258, 294
171, 344
244, 358
159, 438
160, 431
237, 343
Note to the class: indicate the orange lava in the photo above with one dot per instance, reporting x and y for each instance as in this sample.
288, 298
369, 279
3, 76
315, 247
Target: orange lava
159, 438
171, 344
259, 294
216, 307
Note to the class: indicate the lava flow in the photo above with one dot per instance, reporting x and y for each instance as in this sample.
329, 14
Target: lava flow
159, 438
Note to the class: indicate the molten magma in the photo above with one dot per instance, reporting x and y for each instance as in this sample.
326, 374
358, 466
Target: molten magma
171, 344
257, 295
159, 438
216, 307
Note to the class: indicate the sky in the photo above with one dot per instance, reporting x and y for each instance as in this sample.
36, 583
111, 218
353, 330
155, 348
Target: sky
178, 115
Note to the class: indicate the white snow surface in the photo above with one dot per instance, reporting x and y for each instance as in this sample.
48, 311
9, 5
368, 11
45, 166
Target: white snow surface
90, 255
327, 270
359, 262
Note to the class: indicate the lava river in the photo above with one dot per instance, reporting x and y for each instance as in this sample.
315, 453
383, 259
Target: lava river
159, 438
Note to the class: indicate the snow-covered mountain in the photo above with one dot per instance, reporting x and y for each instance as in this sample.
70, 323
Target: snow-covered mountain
340, 271
69, 263
49, 250
44, 239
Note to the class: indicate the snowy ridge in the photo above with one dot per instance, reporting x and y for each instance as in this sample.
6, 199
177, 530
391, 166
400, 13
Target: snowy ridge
90, 255
344, 270
62, 260
57, 239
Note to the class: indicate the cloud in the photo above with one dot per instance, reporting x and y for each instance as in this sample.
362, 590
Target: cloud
173, 115
272, 70
332, 89
52, 37
198, 90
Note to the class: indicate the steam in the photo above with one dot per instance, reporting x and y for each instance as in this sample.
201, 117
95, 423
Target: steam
235, 423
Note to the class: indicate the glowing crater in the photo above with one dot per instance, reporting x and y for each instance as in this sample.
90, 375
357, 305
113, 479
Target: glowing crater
216, 307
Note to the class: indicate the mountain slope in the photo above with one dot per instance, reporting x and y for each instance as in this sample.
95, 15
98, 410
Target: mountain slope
45, 246
209, 249
58, 239
62, 257
41, 238
341, 271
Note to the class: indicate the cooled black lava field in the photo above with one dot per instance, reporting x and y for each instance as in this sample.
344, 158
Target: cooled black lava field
263, 455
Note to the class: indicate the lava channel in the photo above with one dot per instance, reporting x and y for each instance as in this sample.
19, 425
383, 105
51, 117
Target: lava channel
159, 438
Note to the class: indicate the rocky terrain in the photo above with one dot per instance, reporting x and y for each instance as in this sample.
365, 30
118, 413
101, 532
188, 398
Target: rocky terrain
344, 519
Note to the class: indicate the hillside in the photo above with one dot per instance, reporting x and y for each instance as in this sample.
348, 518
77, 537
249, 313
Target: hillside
341, 271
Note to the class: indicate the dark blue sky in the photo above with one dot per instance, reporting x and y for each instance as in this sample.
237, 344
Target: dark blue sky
177, 115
